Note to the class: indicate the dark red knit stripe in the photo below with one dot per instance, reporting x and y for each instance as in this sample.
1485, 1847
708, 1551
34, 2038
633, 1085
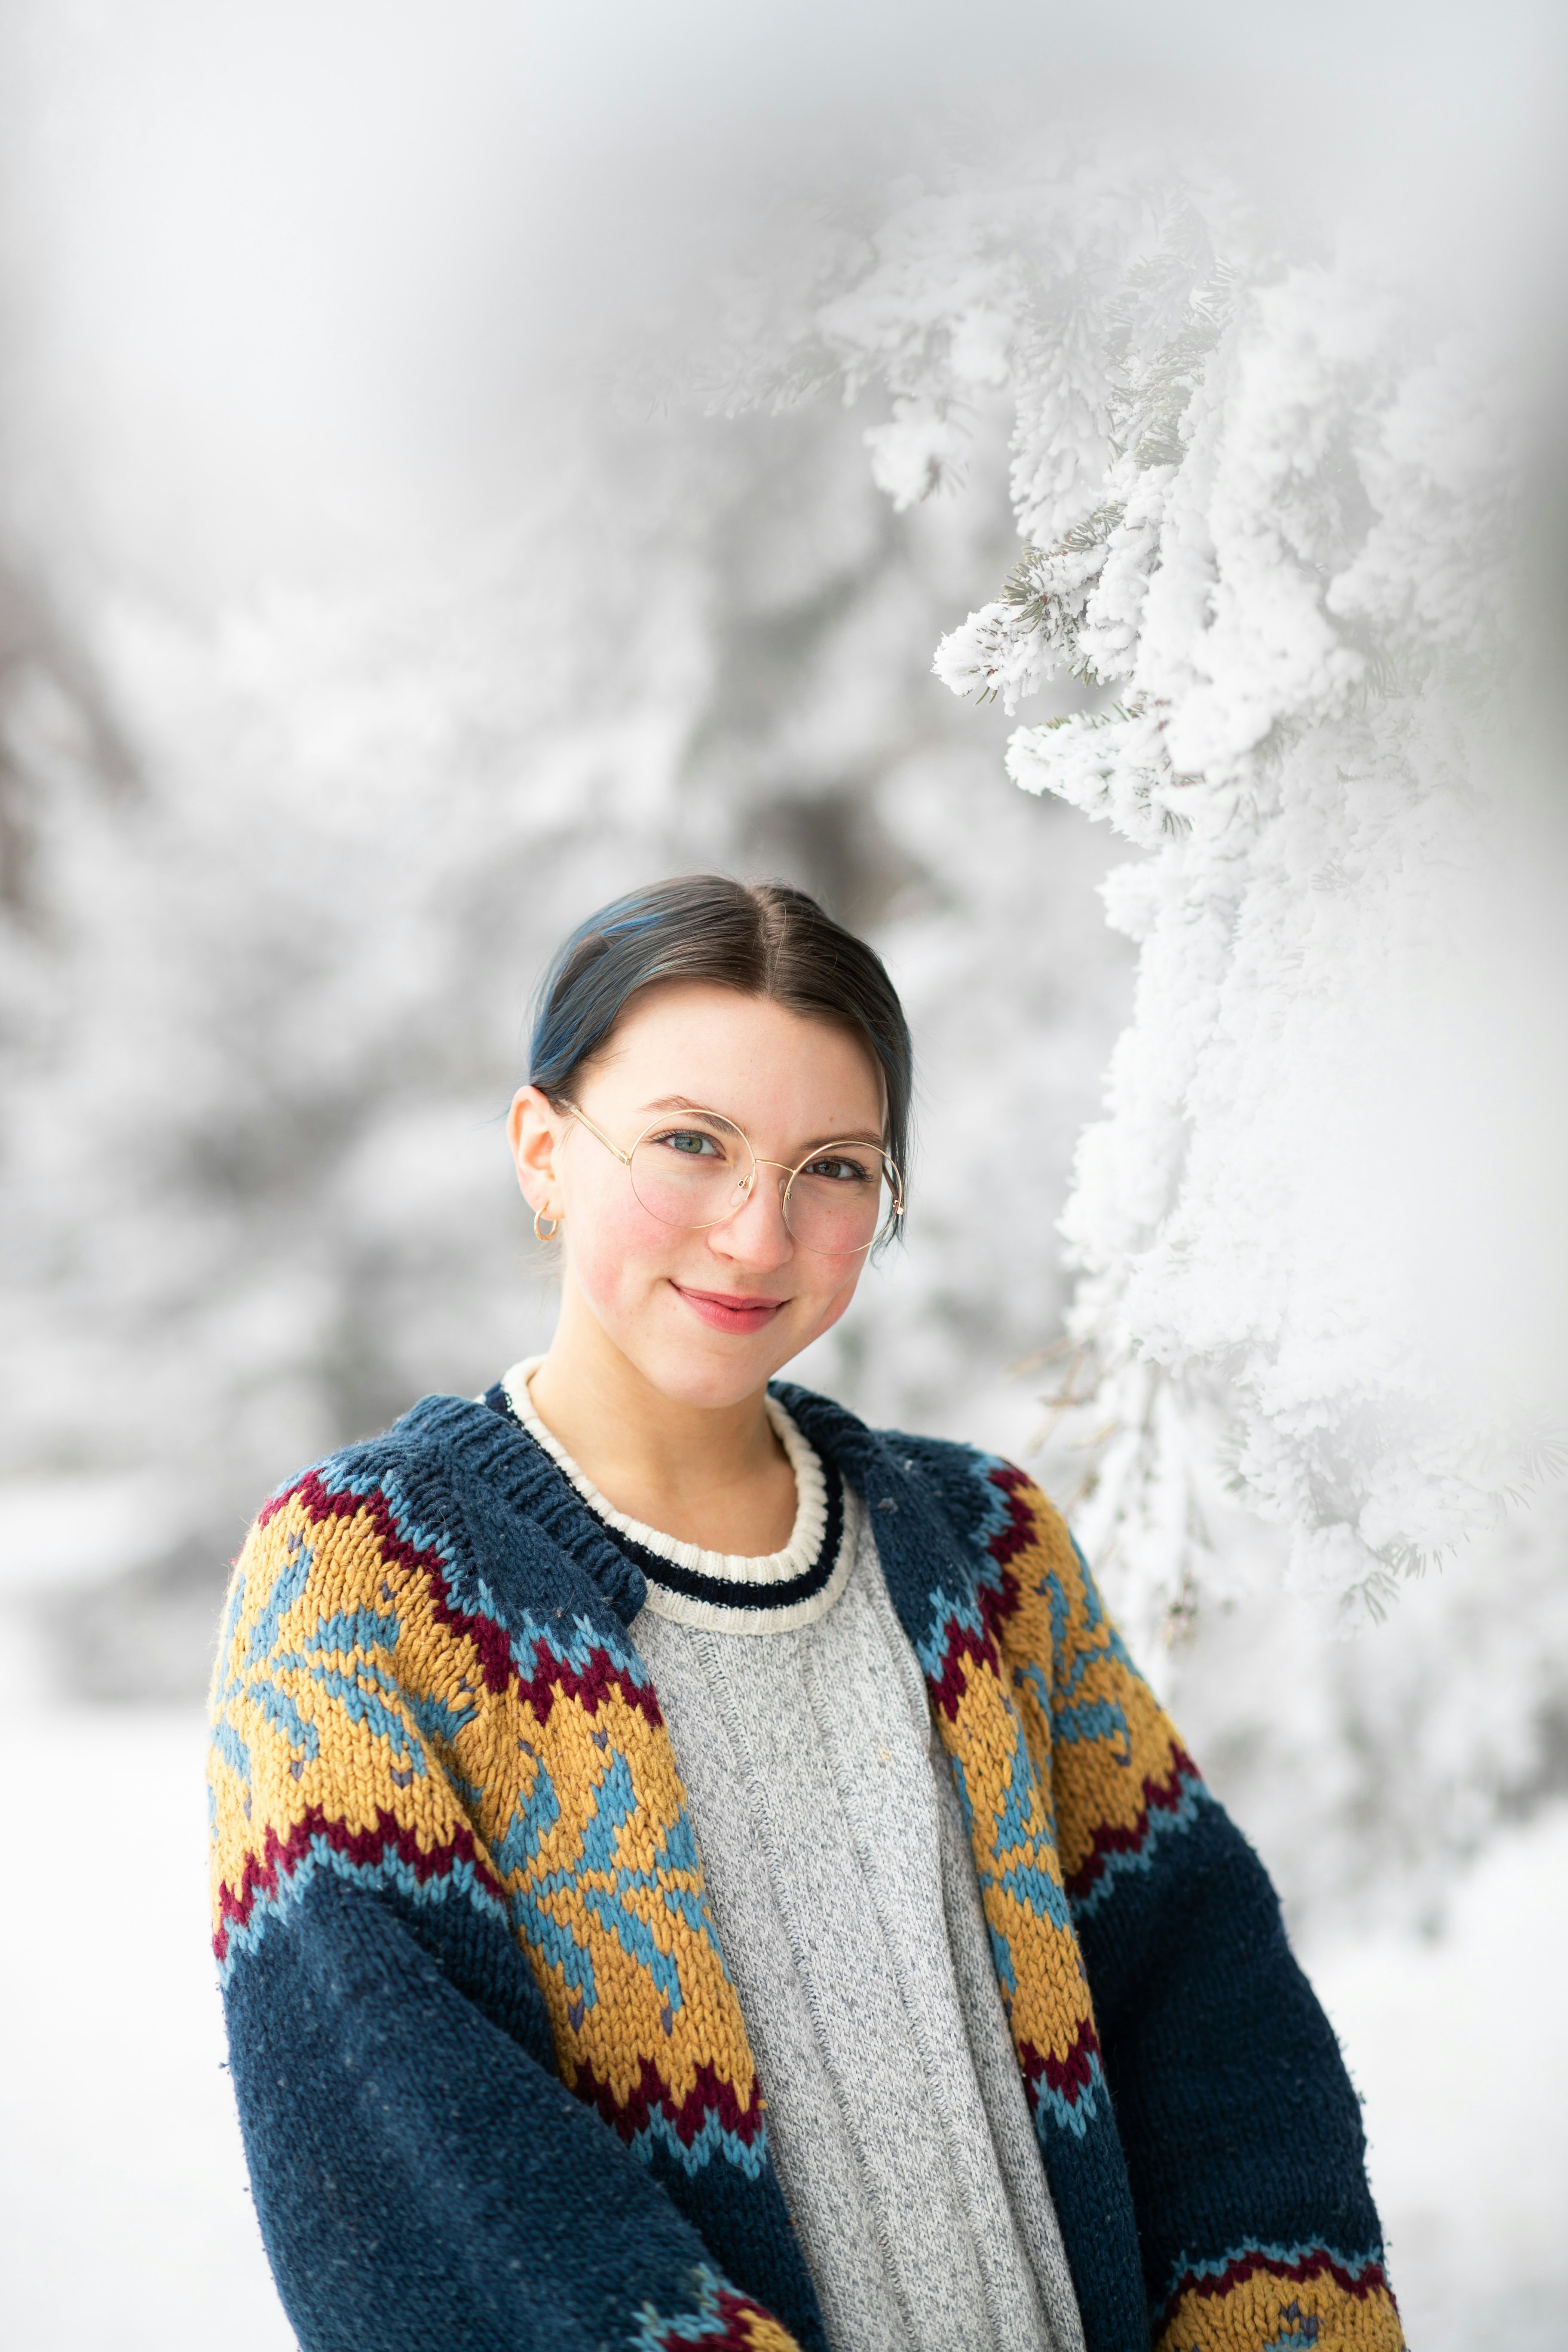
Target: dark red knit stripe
734, 2310
995, 1606
997, 1602
491, 1645
599, 1677
710, 2094
1318, 2264
1020, 1530
948, 1687
1158, 1796
1067, 2078
280, 1858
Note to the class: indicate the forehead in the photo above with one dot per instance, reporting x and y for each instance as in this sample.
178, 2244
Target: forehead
758, 1062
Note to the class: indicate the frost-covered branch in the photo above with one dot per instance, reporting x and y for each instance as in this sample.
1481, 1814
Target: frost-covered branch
1267, 506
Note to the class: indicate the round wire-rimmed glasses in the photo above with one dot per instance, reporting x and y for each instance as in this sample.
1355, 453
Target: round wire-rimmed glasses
695, 1168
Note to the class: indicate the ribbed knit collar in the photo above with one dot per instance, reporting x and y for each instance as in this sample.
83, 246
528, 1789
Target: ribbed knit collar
722, 1592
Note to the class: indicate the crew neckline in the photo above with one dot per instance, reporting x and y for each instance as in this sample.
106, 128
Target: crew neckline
725, 1591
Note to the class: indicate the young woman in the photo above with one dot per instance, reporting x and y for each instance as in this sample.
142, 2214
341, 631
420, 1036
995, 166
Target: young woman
692, 1871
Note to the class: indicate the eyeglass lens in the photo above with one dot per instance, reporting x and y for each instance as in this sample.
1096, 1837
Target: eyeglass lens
697, 1170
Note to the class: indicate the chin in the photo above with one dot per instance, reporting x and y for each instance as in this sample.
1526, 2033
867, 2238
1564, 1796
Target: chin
691, 1365
707, 1377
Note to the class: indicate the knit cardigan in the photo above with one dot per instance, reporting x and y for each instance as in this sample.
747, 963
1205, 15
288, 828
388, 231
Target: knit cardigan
492, 2075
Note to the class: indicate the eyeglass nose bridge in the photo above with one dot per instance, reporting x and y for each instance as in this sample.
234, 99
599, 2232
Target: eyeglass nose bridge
748, 1184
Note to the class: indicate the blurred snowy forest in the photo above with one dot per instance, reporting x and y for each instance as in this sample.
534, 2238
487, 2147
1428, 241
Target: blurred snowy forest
407, 543
271, 963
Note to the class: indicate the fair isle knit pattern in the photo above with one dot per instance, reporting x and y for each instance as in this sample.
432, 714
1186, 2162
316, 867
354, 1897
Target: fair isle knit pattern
492, 2074
723, 1594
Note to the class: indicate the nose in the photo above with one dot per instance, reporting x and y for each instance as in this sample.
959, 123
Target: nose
756, 1235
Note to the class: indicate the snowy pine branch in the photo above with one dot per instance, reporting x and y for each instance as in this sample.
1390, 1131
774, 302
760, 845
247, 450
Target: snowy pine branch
1267, 509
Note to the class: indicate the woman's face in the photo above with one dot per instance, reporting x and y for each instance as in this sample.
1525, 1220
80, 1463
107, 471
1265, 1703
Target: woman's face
706, 1317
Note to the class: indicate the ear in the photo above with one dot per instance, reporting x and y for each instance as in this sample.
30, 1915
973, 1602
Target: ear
533, 1131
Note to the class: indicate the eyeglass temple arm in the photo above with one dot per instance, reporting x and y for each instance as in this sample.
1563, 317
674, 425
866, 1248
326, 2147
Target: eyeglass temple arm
599, 1136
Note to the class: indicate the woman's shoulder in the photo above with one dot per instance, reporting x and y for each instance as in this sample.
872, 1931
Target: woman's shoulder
409, 1466
454, 1493
984, 1499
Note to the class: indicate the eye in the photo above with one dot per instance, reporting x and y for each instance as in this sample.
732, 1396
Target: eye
690, 1143
837, 1171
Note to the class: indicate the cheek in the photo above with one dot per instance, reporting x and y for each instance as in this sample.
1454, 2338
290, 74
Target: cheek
827, 1294
613, 1247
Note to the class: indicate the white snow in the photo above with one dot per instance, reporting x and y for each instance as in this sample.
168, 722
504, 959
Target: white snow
1460, 2048
125, 2214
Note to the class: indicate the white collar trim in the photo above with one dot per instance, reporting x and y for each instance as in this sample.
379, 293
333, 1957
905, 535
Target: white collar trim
798, 1556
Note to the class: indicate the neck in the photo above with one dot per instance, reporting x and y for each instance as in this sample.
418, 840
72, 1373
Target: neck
712, 1474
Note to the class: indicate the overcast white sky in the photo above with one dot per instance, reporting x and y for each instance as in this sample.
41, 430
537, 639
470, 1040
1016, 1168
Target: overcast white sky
271, 268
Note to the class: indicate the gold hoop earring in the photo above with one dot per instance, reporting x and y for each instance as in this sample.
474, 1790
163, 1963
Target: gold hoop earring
540, 1221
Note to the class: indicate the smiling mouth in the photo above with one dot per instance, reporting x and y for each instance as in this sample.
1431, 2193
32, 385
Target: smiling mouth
724, 1311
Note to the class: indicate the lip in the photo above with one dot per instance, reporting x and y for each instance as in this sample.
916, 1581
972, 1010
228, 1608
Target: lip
722, 1310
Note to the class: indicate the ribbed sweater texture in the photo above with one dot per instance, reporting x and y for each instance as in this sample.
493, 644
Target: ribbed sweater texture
489, 2042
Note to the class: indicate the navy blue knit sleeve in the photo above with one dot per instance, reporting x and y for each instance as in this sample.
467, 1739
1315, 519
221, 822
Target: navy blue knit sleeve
421, 2179
1242, 2133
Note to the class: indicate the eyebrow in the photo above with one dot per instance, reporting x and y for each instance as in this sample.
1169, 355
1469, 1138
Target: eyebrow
684, 1102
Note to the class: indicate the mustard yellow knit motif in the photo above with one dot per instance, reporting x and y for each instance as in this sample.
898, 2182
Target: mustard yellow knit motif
1058, 1642
999, 1737
352, 1706
1266, 2312
765, 2334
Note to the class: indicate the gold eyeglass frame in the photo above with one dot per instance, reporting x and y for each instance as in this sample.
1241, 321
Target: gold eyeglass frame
895, 1182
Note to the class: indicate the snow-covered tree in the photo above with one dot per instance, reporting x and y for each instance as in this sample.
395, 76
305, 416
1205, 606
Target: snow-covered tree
1270, 509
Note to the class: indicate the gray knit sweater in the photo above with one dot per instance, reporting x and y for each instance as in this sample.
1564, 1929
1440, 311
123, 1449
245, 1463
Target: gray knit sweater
838, 1868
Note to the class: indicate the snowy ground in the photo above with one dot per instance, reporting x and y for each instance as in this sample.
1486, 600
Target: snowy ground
122, 2184
123, 2190
1460, 2048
